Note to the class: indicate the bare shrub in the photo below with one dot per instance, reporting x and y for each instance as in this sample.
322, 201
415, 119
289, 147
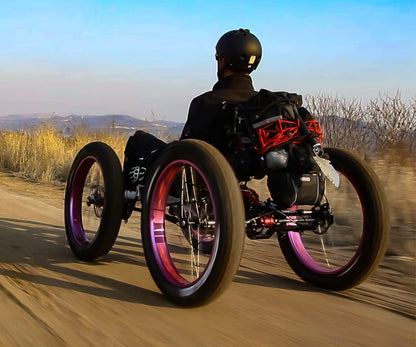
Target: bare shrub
343, 121
393, 121
383, 123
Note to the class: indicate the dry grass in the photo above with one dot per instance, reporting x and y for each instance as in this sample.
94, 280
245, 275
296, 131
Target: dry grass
44, 154
396, 170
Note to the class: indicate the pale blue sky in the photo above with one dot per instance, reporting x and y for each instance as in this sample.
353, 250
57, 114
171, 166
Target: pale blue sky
144, 57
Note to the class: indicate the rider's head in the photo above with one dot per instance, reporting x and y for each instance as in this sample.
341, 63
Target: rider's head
237, 51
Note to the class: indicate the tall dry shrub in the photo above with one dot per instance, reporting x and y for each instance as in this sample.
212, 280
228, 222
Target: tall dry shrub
394, 122
382, 123
343, 121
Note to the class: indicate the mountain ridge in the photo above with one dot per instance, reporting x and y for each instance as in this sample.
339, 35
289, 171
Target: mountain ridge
69, 123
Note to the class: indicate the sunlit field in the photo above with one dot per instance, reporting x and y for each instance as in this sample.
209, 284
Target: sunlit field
44, 154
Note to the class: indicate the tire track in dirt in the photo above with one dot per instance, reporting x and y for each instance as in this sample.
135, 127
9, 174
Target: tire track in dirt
375, 290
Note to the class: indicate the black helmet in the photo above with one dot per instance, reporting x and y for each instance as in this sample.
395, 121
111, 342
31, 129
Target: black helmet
240, 49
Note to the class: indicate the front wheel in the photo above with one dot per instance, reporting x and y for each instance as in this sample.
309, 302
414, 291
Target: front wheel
93, 201
352, 247
192, 223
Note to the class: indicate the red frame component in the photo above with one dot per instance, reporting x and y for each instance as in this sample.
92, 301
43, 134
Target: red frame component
282, 131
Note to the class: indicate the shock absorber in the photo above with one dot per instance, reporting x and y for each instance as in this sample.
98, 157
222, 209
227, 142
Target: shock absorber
266, 221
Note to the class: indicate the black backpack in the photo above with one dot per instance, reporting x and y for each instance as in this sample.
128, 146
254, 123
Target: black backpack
266, 106
273, 120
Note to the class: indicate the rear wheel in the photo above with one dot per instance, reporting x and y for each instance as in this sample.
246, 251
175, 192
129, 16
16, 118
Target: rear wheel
192, 223
351, 249
93, 201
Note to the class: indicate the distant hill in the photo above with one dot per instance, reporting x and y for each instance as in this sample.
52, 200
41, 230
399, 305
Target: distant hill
69, 123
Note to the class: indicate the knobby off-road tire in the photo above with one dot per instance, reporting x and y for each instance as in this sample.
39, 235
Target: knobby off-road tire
93, 201
195, 259
355, 244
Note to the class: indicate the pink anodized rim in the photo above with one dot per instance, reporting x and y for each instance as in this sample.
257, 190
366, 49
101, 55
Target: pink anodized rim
157, 226
304, 256
75, 200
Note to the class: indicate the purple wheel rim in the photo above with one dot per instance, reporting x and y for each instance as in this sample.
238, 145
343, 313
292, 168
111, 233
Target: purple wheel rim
75, 200
301, 252
158, 231
305, 257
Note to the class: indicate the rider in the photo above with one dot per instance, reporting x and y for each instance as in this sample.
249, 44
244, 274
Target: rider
238, 53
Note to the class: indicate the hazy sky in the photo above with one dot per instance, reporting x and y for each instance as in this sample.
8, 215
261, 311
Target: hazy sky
152, 57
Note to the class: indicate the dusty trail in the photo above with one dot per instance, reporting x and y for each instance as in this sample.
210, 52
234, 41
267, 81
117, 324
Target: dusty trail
49, 297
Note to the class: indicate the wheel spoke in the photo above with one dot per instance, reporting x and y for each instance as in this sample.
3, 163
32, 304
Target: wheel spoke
324, 251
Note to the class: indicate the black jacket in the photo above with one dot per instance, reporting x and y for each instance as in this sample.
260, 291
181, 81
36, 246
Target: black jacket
205, 110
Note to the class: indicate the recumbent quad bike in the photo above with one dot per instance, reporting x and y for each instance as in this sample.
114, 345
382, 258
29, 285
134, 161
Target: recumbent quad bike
325, 205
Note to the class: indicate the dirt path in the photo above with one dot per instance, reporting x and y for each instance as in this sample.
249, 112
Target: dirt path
49, 297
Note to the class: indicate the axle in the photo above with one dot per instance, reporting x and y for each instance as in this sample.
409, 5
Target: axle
264, 225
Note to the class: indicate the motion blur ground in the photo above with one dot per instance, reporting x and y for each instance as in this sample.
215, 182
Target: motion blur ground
59, 300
